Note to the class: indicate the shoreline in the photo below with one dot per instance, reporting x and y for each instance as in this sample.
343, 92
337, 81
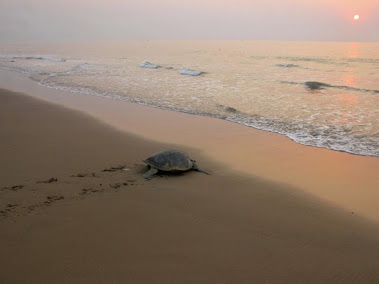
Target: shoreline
341, 179
90, 224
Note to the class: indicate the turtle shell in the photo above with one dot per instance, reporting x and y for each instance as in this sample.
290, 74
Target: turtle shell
170, 160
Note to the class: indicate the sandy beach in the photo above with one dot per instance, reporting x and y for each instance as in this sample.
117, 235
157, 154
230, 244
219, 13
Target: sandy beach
342, 180
75, 208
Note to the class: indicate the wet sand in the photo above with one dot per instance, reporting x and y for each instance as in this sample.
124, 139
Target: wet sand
347, 181
75, 208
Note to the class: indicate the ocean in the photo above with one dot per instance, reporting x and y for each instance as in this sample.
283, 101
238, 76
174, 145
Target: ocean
322, 94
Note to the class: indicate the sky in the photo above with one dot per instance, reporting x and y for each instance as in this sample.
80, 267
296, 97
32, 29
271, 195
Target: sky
314, 20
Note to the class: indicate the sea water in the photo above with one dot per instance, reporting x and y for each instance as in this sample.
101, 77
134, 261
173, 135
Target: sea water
323, 94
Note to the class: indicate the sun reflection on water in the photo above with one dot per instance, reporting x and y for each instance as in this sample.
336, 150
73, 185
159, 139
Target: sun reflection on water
348, 100
349, 80
353, 50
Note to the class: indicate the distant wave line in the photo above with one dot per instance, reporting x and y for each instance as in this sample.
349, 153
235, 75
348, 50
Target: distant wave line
47, 58
290, 66
322, 60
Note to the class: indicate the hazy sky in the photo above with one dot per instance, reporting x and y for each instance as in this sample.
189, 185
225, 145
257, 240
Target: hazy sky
189, 19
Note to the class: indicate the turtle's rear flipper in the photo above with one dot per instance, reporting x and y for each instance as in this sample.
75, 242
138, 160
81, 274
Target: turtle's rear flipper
196, 167
150, 173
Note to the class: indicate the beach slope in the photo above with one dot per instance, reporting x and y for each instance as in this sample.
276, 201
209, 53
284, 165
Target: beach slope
75, 208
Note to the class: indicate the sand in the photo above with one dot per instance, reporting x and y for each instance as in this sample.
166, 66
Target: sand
75, 208
347, 181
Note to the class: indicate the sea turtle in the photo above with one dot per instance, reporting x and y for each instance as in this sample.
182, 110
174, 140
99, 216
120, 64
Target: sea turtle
314, 85
170, 161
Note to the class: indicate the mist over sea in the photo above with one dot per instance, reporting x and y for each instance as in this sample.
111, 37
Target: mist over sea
323, 94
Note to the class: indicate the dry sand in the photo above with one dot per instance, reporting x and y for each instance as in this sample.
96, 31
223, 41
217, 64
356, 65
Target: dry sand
65, 219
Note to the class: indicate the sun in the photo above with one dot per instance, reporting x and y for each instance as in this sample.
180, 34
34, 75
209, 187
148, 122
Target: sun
356, 17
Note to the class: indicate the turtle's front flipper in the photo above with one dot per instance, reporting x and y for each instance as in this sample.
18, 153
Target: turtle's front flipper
196, 167
150, 173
